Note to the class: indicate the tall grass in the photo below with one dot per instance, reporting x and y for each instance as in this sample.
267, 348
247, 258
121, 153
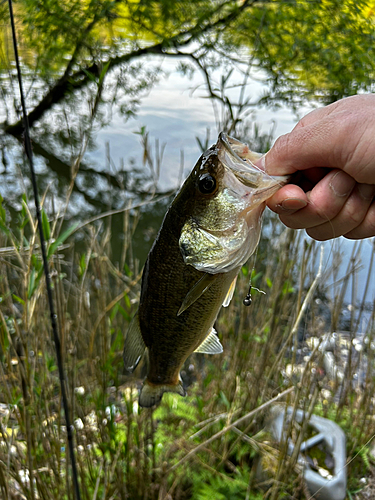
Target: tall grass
214, 443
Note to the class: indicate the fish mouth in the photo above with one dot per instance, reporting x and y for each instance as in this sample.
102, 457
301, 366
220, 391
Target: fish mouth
239, 159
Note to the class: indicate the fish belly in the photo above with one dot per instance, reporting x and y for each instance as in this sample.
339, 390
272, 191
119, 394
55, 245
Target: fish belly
170, 337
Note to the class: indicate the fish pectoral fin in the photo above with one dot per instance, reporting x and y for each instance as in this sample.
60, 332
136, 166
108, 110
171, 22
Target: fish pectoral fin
151, 394
230, 293
201, 286
211, 344
134, 346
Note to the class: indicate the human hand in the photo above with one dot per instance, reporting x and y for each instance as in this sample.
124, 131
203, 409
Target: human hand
331, 154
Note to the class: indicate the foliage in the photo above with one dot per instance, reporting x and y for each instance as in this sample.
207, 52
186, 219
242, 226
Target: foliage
84, 56
309, 50
312, 50
183, 449
222, 488
71, 44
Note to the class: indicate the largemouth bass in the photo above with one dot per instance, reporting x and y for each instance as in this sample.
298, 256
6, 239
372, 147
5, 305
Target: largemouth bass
209, 231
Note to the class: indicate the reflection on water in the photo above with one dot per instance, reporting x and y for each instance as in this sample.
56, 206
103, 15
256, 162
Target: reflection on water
115, 169
91, 167
170, 113
175, 115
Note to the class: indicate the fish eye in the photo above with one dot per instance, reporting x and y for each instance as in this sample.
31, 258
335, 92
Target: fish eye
207, 184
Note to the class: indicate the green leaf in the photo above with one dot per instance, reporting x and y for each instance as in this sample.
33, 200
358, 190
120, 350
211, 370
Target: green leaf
24, 222
287, 288
37, 263
35, 276
50, 363
117, 344
127, 270
269, 283
141, 131
24, 214
114, 311
4, 229
224, 399
255, 276
89, 75
2, 210
32, 284
82, 264
60, 240
4, 340
104, 72
24, 206
18, 299
45, 225
127, 301
124, 314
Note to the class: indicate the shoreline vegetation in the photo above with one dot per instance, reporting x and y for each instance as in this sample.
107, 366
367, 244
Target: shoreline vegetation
215, 439
214, 443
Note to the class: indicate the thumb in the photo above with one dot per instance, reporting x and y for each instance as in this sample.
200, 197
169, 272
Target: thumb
302, 148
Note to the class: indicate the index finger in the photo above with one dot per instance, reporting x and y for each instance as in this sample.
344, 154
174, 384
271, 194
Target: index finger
340, 139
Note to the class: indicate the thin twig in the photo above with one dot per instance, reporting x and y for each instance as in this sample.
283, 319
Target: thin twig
229, 427
301, 312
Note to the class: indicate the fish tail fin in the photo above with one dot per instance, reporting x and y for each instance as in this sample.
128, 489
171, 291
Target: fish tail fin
151, 394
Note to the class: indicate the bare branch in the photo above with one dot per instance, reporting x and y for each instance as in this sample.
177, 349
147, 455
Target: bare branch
70, 82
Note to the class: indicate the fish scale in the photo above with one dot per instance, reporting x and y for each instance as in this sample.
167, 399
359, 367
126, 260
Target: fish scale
169, 279
209, 231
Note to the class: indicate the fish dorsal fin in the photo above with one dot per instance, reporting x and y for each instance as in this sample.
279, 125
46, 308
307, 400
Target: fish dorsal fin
211, 344
134, 346
230, 293
196, 291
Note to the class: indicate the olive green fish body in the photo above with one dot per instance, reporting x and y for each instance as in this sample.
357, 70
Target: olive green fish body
169, 337
209, 231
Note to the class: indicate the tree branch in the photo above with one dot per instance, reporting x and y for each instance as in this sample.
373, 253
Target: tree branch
69, 83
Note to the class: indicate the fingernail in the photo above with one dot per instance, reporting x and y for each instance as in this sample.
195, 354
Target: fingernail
292, 205
342, 184
367, 191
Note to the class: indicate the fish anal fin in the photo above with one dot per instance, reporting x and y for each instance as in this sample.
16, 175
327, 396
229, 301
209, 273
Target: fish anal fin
230, 293
134, 345
151, 394
211, 344
201, 286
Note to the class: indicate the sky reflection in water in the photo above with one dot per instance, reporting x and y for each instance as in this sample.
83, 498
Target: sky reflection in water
175, 115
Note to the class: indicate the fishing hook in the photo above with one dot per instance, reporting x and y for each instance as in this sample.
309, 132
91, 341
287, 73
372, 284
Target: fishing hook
248, 300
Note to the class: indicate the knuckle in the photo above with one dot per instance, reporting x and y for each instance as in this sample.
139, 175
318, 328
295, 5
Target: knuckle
325, 213
325, 210
356, 210
282, 146
355, 217
366, 229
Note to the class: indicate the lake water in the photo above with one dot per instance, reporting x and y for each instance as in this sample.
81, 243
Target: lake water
173, 114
